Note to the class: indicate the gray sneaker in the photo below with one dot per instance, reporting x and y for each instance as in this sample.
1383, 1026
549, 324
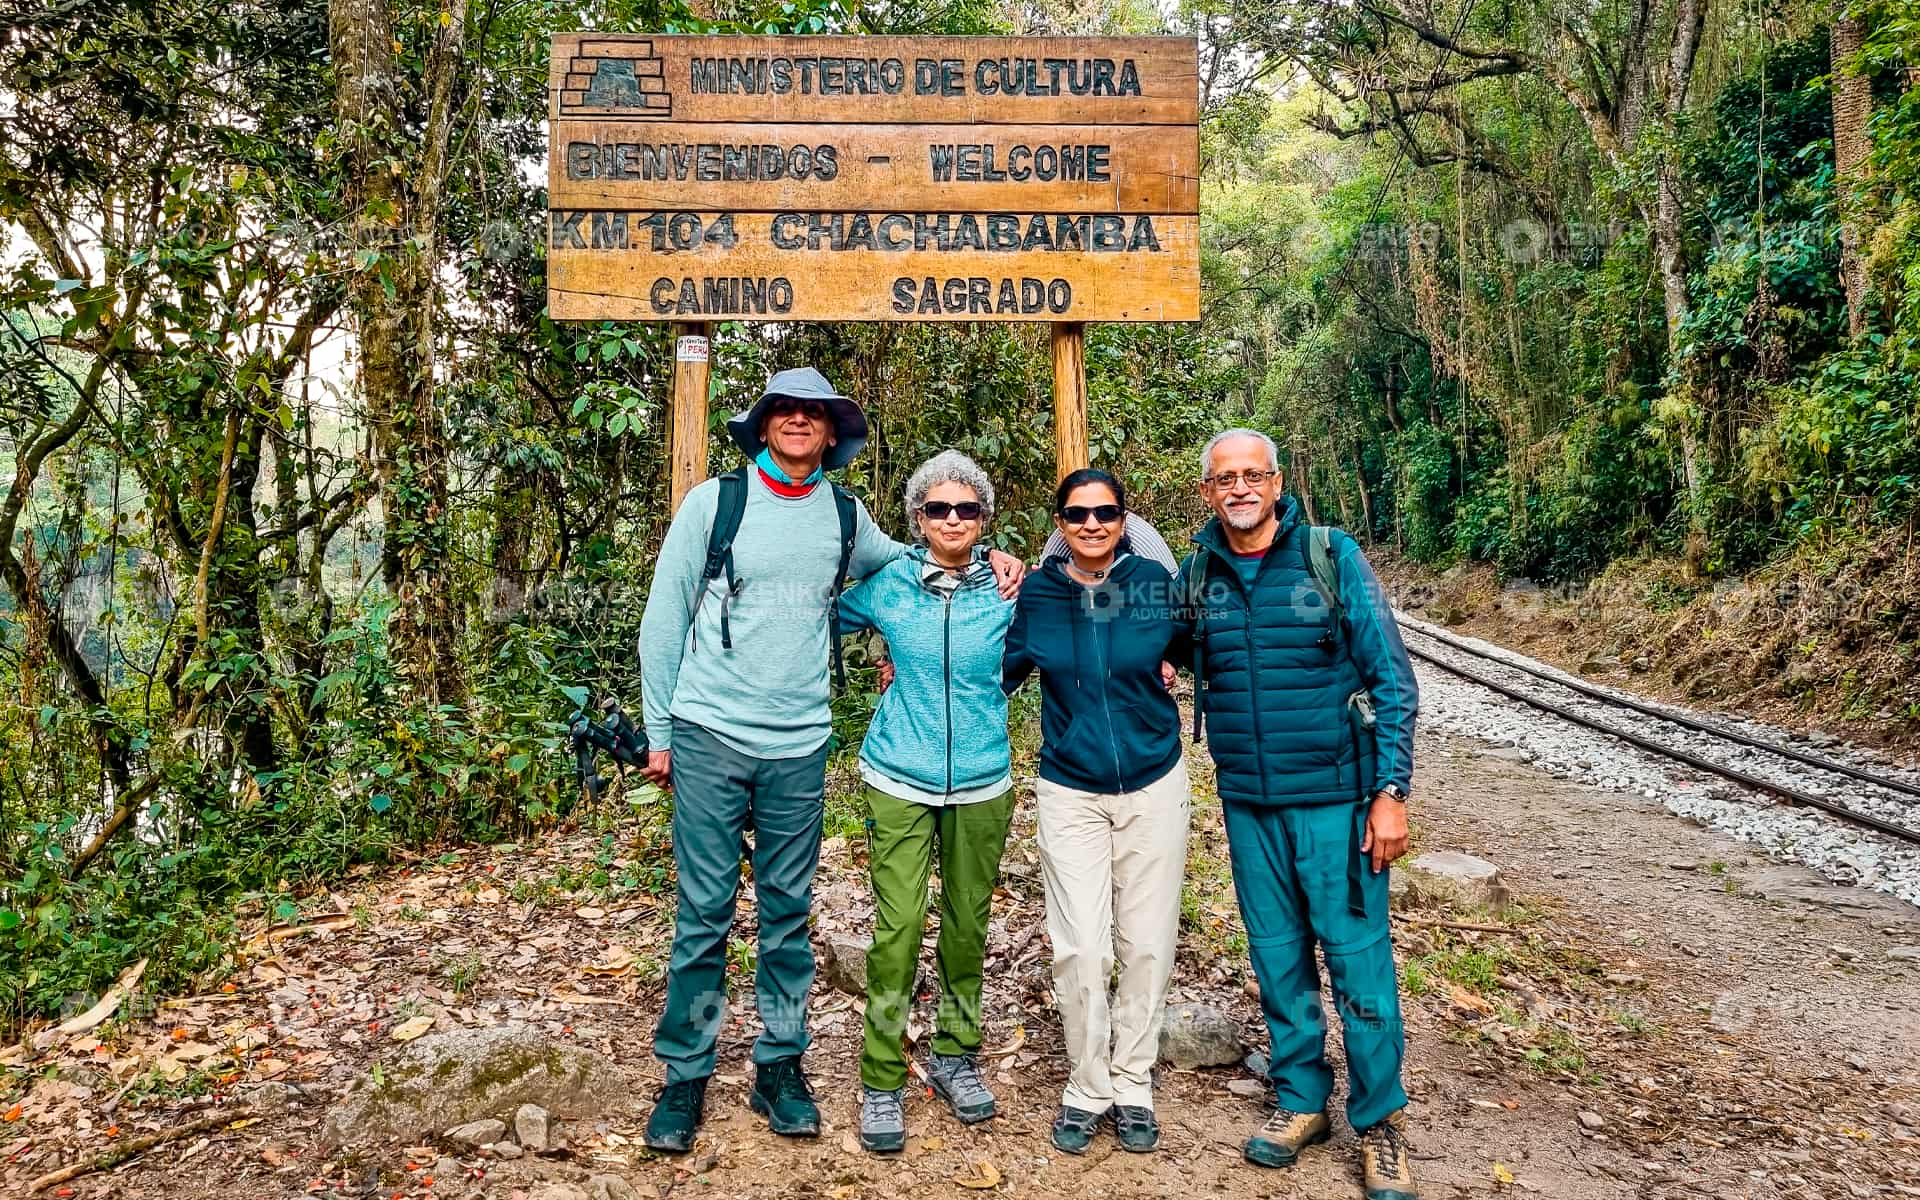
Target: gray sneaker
957, 1080
883, 1121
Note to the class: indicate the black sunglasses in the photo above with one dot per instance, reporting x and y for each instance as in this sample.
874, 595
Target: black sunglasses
966, 510
1106, 514
815, 409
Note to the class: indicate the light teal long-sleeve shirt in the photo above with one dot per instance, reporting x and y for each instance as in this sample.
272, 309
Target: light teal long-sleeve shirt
768, 696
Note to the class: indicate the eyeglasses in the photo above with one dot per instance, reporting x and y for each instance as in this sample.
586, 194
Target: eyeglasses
966, 510
812, 409
1226, 481
1106, 514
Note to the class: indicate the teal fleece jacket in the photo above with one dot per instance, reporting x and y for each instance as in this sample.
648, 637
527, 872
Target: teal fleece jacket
942, 726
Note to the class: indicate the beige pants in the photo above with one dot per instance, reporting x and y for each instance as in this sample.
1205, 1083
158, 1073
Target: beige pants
1113, 866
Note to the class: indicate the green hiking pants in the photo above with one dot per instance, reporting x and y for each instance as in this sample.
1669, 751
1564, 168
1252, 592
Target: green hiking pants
903, 834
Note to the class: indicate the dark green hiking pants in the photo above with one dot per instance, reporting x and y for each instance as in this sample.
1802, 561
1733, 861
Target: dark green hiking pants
906, 837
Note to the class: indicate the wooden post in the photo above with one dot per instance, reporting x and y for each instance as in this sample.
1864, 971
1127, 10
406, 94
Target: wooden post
1069, 397
687, 415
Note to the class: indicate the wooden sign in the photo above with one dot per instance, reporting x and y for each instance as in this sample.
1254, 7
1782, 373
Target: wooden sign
873, 179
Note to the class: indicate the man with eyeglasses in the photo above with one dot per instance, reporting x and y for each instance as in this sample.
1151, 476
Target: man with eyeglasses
1308, 700
735, 646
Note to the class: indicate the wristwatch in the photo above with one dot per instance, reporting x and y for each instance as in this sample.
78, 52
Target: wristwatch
1395, 791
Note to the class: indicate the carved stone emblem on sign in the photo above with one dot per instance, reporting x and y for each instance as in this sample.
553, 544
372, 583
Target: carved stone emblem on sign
622, 77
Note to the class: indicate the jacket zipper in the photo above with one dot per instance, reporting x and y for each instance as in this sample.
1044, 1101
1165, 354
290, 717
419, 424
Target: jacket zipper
1104, 663
1246, 626
946, 671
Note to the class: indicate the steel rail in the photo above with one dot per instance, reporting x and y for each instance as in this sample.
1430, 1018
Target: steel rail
1800, 756
1784, 792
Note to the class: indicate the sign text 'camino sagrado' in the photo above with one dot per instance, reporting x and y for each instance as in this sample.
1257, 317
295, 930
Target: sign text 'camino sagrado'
873, 179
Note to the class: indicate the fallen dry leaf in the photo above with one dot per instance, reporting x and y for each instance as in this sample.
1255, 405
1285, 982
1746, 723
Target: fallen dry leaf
1502, 1174
411, 1028
109, 1004
1013, 1045
280, 933
1461, 998
619, 961
983, 1176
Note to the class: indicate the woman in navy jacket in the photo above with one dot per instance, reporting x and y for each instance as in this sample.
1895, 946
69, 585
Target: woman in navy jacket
1111, 799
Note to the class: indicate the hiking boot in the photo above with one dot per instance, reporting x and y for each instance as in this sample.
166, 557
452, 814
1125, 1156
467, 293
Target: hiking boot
1073, 1129
883, 1121
1384, 1160
676, 1115
1284, 1134
781, 1095
956, 1079
1135, 1127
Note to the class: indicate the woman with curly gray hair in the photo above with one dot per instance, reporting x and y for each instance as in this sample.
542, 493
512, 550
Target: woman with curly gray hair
936, 764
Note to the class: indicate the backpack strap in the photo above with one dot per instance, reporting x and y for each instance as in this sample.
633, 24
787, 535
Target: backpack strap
1196, 599
727, 511
848, 509
1317, 549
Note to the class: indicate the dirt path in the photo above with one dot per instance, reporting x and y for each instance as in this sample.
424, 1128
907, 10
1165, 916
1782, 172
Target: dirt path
1727, 1027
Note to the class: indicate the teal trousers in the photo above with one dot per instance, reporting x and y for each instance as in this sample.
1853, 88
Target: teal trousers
1292, 875
718, 795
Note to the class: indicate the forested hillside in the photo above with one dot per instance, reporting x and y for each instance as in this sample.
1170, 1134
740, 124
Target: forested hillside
318, 528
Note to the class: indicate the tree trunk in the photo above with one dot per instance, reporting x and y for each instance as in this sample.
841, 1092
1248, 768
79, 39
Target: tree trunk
1302, 468
1366, 501
1852, 108
396, 242
1669, 236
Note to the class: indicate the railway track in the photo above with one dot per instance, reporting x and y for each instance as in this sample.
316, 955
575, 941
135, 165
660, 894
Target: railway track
1592, 696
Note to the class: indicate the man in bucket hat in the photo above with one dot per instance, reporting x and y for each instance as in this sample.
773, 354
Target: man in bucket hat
735, 648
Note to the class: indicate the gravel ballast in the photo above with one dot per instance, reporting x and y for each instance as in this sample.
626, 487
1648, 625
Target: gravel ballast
1839, 851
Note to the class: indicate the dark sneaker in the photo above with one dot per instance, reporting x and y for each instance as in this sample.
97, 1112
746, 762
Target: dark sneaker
781, 1095
1073, 1129
1279, 1141
676, 1115
956, 1079
1135, 1127
1384, 1160
883, 1121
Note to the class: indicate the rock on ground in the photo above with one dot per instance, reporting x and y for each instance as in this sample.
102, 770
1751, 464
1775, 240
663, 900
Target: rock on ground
1200, 1035
611, 1187
464, 1075
530, 1127
476, 1134
843, 964
1452, 875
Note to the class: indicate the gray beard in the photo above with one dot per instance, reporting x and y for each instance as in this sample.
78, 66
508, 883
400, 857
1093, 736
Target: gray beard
1252, 520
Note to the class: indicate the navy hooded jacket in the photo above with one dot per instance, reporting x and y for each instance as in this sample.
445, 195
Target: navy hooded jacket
1107, 722
1278, 675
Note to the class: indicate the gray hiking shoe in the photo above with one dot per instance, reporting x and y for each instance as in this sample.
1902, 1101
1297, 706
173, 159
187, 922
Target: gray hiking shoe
883, 1121
956, 1079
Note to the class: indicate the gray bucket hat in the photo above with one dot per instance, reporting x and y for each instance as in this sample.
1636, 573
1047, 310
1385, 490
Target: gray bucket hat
804, 383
